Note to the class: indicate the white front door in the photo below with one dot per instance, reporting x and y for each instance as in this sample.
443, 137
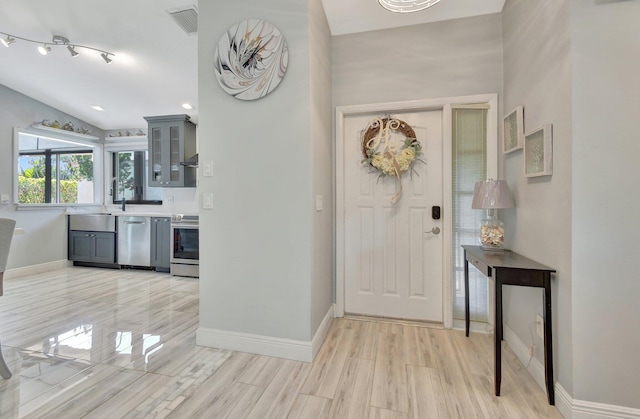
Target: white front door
392, 265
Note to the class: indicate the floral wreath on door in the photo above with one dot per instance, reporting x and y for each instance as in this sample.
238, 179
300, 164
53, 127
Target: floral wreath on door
383, 155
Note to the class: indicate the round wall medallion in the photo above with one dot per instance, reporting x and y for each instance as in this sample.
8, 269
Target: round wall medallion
251, 59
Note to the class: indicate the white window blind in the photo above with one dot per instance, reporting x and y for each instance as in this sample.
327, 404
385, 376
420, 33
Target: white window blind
469, 166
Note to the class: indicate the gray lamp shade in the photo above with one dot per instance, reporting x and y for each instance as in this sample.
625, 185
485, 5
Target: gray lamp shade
492, 194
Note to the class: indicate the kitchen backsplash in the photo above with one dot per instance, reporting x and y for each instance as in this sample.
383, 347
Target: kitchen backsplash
174, 201
180, 200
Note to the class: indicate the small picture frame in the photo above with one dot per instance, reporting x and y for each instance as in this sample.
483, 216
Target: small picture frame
538, 152
514, 130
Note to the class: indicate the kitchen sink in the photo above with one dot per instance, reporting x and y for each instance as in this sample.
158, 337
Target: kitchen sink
92, 222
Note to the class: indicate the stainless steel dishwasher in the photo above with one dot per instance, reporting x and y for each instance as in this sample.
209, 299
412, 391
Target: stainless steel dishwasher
134, 240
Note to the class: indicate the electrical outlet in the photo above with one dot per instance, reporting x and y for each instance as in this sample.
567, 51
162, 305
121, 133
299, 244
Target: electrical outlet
540, 326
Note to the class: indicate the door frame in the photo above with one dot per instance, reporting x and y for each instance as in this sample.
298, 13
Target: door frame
445, 105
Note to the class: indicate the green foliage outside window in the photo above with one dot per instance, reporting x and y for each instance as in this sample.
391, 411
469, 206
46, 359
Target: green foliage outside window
31, 190
73, 169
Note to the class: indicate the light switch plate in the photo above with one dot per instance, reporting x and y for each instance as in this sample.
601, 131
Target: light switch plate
319, 202
207, 168
4, 199
207, 200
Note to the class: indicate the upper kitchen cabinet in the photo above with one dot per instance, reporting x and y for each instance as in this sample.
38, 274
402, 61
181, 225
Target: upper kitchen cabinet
172, 140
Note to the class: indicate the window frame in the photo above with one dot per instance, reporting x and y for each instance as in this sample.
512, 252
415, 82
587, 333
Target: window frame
83, 141
123, 144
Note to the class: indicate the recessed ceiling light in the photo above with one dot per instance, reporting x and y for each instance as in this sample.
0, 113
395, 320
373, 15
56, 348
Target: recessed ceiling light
187, 106
97, 108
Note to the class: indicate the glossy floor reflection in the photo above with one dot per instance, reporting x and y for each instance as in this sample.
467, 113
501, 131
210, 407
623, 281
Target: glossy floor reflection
103, 343
74, 338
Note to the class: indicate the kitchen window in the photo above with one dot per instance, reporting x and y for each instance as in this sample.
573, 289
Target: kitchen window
54, 168
129, 180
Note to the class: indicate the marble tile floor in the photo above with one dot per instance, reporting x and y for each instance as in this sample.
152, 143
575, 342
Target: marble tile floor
100, 343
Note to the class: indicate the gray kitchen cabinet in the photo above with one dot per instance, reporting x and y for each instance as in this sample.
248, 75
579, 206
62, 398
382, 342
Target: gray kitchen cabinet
160, 243
92, 246
172, 140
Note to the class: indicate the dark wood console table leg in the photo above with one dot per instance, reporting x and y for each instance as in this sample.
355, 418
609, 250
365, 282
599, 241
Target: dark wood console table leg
498, 334
466, 294
548, 344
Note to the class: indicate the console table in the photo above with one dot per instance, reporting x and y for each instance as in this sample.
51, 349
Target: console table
510, 268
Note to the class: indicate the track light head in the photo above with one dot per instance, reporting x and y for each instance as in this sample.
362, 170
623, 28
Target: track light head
72, 51
105, 57
44, 49
8, 40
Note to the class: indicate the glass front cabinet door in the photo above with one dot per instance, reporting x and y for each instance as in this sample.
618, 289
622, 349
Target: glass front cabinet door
172, 140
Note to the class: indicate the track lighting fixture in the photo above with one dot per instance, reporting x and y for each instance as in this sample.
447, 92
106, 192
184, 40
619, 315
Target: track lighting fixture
8, 41
45, 47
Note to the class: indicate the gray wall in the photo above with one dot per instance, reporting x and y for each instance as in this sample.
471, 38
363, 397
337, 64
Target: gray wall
45, 238
256, 271
573, 63
606, 146
322, 155
537, 76
452, 58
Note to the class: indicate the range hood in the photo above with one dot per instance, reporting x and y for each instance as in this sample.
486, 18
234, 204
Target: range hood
191, 161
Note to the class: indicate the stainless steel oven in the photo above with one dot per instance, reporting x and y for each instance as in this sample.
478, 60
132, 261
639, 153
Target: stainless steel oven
185, 245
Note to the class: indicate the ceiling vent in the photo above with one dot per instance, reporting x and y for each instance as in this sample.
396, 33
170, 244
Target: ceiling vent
186, 17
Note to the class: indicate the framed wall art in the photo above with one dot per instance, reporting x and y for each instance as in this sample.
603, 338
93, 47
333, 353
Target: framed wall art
514, 130
251, 59
538, 152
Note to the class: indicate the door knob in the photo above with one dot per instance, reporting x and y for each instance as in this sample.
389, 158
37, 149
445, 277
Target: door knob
434, 230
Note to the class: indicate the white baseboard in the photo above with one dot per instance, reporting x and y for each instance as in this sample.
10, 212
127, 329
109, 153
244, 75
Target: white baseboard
36, 269
266, 345
580, 409
568, 407
476, 327
322, 331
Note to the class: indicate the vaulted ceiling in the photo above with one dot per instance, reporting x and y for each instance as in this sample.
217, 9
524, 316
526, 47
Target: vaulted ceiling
154, 69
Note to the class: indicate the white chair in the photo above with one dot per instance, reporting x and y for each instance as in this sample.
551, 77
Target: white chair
7, 227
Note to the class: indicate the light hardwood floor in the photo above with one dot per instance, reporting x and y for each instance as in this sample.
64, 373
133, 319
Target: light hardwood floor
100, 343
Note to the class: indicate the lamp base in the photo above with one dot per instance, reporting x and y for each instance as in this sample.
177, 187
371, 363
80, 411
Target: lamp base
492, 234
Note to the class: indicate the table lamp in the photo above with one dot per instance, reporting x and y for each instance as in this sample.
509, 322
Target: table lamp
492, 195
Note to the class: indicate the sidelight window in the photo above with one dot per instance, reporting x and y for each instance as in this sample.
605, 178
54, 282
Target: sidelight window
469, 155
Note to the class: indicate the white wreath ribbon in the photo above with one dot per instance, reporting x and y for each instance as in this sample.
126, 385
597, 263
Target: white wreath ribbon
389, 149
